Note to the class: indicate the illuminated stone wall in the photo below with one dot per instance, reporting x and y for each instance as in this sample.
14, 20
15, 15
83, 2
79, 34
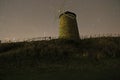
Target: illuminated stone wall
68, 26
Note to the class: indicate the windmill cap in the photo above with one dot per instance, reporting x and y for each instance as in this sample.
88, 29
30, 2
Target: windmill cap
67, 12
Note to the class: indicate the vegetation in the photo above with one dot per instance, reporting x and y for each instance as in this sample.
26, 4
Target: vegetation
96, 58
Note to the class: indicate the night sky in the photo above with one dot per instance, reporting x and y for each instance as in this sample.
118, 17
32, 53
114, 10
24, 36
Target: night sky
36, 18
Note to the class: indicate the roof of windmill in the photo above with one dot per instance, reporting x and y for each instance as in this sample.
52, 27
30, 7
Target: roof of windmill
68, 12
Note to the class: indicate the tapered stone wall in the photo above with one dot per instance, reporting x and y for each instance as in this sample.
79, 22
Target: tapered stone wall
68, 28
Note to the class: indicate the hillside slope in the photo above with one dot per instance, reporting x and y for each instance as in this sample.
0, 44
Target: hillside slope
98, 55
108, 46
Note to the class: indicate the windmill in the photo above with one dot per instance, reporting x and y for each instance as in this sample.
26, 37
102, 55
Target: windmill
68, 28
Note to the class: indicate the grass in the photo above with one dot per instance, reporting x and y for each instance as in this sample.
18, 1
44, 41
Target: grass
107, 71
92, 58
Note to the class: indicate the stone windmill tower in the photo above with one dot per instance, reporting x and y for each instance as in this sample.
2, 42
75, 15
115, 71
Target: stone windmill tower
68, 26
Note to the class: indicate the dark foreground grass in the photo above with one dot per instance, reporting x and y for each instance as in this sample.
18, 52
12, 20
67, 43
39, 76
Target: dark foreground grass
68, 75
108, 69
87, 59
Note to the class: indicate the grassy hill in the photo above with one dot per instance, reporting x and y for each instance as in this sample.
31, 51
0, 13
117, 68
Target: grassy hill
96, 58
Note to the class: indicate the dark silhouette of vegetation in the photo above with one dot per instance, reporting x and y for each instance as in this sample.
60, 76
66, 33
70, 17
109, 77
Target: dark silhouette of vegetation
59, 50
98, 55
